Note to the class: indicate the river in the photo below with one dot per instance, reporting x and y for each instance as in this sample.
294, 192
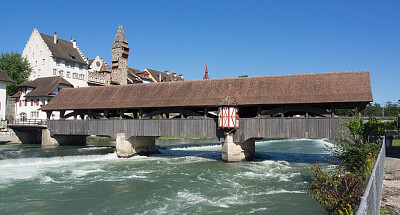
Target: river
183, 179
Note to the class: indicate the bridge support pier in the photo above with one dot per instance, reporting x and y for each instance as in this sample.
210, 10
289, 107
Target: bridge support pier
235, 152
56, 140
134, 145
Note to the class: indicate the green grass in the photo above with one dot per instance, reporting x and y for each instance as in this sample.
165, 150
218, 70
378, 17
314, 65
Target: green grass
96, 139
396, 143
180, 137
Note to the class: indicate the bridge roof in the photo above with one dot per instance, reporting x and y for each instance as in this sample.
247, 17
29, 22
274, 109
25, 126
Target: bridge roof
318, 88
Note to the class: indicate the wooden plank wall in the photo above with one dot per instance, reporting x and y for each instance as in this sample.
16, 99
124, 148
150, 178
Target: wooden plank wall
248, 127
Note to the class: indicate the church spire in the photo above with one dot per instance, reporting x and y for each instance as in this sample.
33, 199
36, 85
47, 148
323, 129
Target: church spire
206, 74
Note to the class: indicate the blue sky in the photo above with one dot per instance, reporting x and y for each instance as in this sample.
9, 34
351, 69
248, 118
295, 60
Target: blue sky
270, 37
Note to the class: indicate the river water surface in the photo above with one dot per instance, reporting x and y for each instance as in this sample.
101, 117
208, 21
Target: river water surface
180, 180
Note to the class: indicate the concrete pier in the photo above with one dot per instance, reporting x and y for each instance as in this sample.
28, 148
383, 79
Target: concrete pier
135, 145
56, 140
234, 152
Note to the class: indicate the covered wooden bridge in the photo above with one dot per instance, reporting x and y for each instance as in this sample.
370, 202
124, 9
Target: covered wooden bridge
287, 106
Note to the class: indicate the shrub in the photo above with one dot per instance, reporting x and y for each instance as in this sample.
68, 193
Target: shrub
338, 190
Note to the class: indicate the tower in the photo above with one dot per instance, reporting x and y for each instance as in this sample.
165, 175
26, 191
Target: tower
120, 53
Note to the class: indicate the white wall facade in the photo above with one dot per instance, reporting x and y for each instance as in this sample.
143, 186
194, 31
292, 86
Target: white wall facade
27, 108
3, 98
45, 65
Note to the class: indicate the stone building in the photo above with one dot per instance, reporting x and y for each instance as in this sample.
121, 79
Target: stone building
99, 72
51, 56
120, 53
119, 73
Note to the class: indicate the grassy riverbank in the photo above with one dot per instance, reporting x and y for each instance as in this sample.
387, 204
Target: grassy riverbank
180, 137
97, 139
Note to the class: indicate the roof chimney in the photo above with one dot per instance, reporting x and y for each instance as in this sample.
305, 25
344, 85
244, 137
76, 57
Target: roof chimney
55, 37
159, 77
73, 43
167, 72
174, 74
181, 76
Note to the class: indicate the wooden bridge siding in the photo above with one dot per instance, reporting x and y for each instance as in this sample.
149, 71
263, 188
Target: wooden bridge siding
249, 128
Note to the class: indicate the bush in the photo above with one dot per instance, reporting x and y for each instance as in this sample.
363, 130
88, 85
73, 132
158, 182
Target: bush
339, 190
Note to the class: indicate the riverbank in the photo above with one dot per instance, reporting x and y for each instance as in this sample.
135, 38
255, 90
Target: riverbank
391, 183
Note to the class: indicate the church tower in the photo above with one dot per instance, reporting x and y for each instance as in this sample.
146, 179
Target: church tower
120, 53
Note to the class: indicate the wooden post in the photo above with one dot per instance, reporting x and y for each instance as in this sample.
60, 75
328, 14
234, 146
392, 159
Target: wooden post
48, 114
121, 113
106, 112
259, 119
205, 112
307, 121
282, 122
62, 114
182, 113
140, 113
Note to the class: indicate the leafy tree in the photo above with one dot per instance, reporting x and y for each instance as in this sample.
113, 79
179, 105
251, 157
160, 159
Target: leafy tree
17, 67
243, 76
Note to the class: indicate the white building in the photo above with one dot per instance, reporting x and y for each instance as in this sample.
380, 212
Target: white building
33, 94
4, 80
50, 56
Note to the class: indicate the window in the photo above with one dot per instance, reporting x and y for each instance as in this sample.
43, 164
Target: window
74, 75
68, 74
80, 66
72, 65
54, 71
37, 102
97, 80
58, 61
83, 77
26, 102
61, 73
66, 64
22, 116
43, 61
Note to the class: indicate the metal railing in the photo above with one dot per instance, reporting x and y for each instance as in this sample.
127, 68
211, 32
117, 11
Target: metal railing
370, 202
30, 122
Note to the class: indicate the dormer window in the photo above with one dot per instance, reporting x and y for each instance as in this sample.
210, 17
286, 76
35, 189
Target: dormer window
58, 61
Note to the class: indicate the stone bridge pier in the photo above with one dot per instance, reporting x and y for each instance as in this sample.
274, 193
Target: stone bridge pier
134, 145
239, 151
55, 140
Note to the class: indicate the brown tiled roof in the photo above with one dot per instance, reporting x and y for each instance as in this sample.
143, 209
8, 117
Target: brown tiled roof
63, 49
43, 86
91, 61
164, 76
339, 87
132, 75
4, 77
105, 67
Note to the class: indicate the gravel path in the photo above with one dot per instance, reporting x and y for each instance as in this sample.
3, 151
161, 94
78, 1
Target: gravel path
391, 183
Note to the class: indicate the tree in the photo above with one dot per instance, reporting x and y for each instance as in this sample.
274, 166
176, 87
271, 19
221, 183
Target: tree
17, 67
